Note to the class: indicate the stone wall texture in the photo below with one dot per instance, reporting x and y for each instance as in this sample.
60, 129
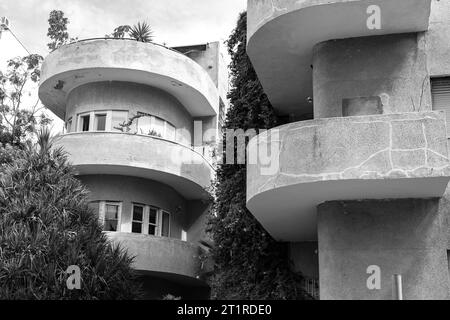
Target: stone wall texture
408, 145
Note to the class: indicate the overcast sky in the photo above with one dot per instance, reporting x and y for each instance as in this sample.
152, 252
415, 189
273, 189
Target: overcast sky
174, 22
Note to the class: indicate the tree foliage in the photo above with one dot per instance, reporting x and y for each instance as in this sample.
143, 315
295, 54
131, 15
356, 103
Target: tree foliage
57, 30
140, 32
249, 263
46, 226
18, 117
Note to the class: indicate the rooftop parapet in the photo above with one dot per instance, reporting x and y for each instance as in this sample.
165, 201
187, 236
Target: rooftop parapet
96, 60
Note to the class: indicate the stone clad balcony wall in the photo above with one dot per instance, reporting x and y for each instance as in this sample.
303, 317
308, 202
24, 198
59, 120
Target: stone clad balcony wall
366, 157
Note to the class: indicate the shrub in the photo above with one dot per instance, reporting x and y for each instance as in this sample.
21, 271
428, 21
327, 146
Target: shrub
46, 226
249, 263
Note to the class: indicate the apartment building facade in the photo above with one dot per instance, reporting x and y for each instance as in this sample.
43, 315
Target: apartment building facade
360, 189
140, 123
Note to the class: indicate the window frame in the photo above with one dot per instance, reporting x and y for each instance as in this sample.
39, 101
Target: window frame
161, 223
100, 113
142, 222
80, 122
102, 213
156, 224
146, 220
433, 89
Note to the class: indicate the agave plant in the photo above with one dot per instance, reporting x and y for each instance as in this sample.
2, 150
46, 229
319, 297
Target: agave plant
141, 32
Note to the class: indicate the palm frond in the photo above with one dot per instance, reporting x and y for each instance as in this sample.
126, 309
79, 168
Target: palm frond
142, 32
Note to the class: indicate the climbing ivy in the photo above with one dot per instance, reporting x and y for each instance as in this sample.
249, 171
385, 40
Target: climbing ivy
249, 263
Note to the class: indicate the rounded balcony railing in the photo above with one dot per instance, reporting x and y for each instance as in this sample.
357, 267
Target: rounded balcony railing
99, 60
160, 255
388, 156
115, 153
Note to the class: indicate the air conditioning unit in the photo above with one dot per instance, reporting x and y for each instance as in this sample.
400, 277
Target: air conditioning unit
4, 23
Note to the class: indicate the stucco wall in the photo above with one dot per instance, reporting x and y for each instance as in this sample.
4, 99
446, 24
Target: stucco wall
406, 237
391, 69
196, 220
131, 97
158, 254
131, 189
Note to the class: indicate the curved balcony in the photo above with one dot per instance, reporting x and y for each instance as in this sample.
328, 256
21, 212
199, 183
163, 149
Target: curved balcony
282, 34
370, 157
147, 157
129, 61
158, 255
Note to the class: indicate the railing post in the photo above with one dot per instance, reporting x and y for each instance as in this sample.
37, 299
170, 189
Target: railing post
397, 287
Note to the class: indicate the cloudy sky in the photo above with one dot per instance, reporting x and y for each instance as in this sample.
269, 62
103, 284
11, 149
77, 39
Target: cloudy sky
175, 22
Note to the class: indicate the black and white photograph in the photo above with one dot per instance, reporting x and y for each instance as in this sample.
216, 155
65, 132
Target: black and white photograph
224, 158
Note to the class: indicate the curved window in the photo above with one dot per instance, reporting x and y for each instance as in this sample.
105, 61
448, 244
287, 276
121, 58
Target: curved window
154, 126
121, 121
150, 220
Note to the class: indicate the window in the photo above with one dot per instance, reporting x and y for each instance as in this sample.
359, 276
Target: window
440, 92
84, 122
170, 132
144, 125
118, 118
138, 218
150, 220
100, 122
112, 211
158, 126
153, 221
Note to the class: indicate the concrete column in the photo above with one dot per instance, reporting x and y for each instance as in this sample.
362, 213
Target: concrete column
406, 237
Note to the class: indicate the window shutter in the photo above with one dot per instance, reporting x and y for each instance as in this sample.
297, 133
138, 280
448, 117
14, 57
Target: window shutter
440, 91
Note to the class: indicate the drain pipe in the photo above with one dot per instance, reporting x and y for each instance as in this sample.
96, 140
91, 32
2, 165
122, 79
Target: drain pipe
397, 287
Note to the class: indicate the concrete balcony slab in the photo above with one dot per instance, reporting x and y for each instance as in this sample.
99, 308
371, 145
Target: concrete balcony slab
147, 157
129, 61
170, 258
391, 156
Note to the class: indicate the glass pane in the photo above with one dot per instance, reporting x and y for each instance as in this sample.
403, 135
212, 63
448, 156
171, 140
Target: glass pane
144, 125
152, 216
138, 212
165, 228
152, 230
170, 132
118, 117
158, 127
110, 225
85, 123
136, 227
111, 212
100, 122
